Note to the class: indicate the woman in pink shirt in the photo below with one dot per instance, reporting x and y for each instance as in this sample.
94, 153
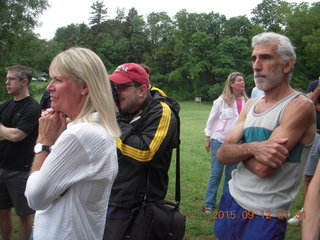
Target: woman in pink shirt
224, 113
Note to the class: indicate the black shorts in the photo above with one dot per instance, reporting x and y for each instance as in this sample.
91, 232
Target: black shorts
12, 188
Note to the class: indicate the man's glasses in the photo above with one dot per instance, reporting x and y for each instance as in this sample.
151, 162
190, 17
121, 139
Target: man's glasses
11, 78
123, 87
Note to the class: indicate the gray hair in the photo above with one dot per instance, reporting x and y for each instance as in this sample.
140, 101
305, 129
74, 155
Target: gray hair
285, 47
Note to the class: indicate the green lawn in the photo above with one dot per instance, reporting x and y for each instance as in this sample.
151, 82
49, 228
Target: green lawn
37, 89
195, 169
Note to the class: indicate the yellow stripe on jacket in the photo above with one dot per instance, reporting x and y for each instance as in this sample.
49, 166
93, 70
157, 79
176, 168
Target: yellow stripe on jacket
161, 132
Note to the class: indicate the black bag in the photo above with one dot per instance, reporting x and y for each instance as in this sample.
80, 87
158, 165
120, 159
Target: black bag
159, 220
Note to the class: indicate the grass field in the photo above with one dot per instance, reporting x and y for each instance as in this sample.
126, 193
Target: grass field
195, 169
37, 89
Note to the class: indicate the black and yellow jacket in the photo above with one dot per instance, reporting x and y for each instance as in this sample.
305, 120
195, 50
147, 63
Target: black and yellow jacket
147, 140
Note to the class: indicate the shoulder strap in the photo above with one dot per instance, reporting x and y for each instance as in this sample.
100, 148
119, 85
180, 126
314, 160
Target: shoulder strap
144, 173
178, 193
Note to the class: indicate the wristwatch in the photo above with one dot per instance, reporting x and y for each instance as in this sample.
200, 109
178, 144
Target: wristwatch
38, 148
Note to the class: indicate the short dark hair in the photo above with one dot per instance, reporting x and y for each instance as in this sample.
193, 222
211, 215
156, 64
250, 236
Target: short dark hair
148, 70
21, 71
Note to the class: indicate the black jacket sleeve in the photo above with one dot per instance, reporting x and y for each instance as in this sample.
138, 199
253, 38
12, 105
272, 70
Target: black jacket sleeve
148, 133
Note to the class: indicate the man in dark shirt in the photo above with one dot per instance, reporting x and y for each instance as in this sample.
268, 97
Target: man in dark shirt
18, 133
45, 101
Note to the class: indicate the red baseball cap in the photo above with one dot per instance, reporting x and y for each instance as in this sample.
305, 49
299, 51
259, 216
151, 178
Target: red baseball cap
129, 72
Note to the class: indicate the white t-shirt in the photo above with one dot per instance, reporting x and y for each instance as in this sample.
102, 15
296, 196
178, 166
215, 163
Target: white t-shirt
82, 165
256, 92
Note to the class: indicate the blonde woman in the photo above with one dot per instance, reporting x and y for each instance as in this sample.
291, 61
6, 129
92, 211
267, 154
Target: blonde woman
223, 115
75, 165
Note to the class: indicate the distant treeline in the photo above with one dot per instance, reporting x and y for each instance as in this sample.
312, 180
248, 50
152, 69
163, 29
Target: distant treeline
189, 55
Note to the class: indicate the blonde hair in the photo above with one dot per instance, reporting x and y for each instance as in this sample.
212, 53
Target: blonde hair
82, 64
227, 93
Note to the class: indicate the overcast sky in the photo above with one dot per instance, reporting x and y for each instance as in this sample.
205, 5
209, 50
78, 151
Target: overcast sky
64, 12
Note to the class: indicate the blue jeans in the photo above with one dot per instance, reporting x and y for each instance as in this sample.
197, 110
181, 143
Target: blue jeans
313, 157
215, 176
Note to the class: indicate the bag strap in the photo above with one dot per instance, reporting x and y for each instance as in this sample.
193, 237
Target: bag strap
177, 192
144, 173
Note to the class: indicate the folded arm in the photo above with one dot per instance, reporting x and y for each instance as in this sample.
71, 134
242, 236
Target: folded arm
263, 158
296, 125
11, 134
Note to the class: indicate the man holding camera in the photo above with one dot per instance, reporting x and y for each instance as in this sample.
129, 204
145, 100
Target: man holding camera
149, 133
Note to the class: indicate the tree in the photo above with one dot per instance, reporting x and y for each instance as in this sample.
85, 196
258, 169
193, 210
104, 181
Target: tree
120, 15
129, 25
17, 18
73, 35
190, 54
161, 62
303, 30
159, 27
232, 55
266, 15
238, 26
33, 52
99, 13
134, 32
312, 52
202, 48
189, 23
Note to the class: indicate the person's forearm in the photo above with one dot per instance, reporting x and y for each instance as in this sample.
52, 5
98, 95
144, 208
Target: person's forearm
232, 153
311, 218
314, 95
259, 168
207, 143
11, 134
235, 153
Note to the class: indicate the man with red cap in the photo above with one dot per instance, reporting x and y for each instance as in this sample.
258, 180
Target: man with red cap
149, 133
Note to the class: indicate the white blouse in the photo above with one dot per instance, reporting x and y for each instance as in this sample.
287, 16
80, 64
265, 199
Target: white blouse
221, 119
70, 192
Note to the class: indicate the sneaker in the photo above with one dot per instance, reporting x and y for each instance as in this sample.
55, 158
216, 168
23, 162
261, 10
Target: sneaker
208, 210
296, 220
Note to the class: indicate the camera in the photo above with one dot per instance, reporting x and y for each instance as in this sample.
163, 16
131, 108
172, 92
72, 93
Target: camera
115, 96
